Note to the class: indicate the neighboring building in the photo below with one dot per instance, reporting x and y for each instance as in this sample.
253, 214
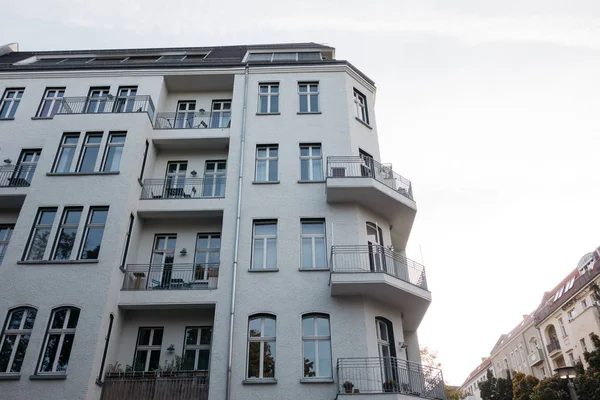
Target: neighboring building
226, 205
479, 375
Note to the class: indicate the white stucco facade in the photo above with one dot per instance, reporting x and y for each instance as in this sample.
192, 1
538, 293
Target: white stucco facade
124, 290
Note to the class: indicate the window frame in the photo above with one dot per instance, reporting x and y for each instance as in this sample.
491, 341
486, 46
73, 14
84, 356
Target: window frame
308, 95
36, 225
88, 226
316, 339
109, 146
198, 346
85, 146
13, 102
19, 333
361, 106
269, 161
149, 347
5, 241
269, 94
58, 331
63, 225
53, 109
262, 340
60, 151
313, 236
563, 329
310, 157
264, 239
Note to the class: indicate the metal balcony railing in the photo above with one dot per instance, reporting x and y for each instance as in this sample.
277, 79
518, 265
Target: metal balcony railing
156, 385
365, 167
389, 374
16, 176
171, 276
183, 188
108, 104
553, 346
191, 120
369, 259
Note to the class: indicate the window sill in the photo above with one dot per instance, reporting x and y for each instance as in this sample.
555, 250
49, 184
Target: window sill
33, 262
10, 377
7, 119
42, 118
264, 270
49, 377
81, 173
314, 269
323, 181
259, 381
363, 122
316, 380
268, 113
265, 183
309, 113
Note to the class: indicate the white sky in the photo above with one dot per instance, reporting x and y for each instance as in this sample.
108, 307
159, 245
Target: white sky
490, 108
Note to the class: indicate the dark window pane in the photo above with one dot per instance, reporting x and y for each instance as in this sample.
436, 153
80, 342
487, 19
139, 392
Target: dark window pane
304, 171
310, 368
113, 159
189, 358
269, 360
73, 217
73, 319
255, 327
6, 351
66, 241
15, 319
91, 247
88, 162
19, 355
253, 359
50, 353
65, 353
154, 360
140, 360
38, 244
59, 319
66, 159
206, 336
47, 217
99, 216
272, 170
303, 103
144, 337
274, 104
191, 336
30, 319
203, 358
157, 338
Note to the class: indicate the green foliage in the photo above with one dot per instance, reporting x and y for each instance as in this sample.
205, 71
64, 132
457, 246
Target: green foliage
496, 388
454, 393
504, 389
588, 381
523, 386
552, 388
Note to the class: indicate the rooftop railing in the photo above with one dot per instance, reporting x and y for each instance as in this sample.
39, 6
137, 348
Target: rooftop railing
171, 276
191, 120
389, 375
366, 167
183, 188
156, 385
370, 259
16, 176
107, 104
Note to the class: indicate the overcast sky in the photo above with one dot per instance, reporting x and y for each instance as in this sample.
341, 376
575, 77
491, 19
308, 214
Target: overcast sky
490, 108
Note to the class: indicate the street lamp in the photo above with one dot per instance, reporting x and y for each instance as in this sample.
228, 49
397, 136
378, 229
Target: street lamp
568, 373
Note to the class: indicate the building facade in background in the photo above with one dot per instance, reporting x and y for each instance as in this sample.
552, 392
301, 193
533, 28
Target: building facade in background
208, 223
477, 376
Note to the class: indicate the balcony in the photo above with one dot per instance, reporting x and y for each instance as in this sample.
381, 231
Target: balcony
553, 347
109, 104
156, 284
398, 378
384, 275
14, 184
375, 186
536, 357
191, 129
156, 385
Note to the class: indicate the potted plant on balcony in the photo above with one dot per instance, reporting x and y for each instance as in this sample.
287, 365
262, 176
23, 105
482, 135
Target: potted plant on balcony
390, 386
348, 386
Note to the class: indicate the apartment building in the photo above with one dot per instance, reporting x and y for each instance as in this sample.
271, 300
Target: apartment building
203, 223
557, 333
477, 376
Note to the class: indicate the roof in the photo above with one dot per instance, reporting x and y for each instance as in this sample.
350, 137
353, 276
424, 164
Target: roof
483, 367
507, 337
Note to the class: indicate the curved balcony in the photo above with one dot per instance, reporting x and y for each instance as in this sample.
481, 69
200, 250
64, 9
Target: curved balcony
384, 275
375, 186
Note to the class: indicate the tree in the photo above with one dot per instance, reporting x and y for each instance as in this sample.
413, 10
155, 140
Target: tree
429, 360
588, 382
487, 388
523, 386
453, 393
504, 388
552, 388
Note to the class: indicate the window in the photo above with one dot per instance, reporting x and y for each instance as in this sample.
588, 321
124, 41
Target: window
5, 234
114, 152
59, 340
196, 350
261, 347
94, 230
311, 162
26, 167
184, 118
571, 358
51, 102
584, 303
314, 252
125, 101
583, 346
220, 114
267, 160
40, 233
96, 101
15, 338
144, 160
127, 240
207, 257
563, 331
66, 153
66, 233
268, 98
147, 350
10, 103
360, 102
308, 96
570, 314
264, 247
316, 346
89, 153
215, 174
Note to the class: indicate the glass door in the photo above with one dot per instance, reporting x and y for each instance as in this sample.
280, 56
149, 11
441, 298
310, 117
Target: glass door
366, 165
175, 179
96, 101
184, 117
26, 167
214, 179
385, 355
207, 257
126, 99
220, 114
163, 254
376, 250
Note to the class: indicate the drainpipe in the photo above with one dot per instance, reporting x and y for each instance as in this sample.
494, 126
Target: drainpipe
237, 235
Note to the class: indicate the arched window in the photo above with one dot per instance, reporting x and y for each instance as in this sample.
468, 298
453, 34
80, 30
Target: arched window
261, 346
316, 346
59, 340
15, 338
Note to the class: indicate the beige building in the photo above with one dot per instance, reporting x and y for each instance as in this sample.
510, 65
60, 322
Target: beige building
477, 376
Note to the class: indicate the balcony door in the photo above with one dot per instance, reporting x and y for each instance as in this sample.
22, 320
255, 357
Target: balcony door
366, 164
220, 114
26, 167
376, 250
126, 99
207, 257
163, 254
184, 117
96, 101
175, 179
214, 178
387, 352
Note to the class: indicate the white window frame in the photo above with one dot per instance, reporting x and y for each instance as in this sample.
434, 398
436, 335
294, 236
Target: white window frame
311, 157
264, 239
19, 332
5, 240
86, 146
11, 104
63, 331
309, 94
315, 338
62, 147
64, 225
110, 145
269, 159
59, 93
269, 94
197, 347
313, 237
362, 111
149, 347
262, 339
36, 227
